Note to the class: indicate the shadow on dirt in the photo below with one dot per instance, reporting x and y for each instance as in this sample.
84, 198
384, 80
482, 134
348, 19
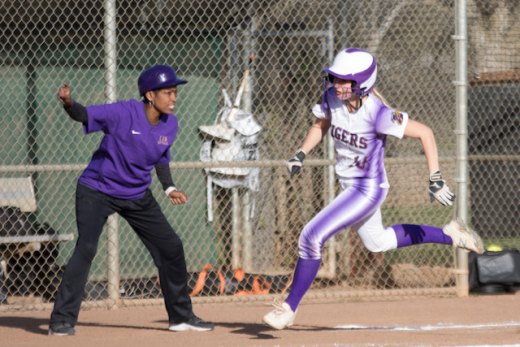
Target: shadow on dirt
40, 325
263, 332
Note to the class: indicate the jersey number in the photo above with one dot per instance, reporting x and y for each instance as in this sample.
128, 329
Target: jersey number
360, 163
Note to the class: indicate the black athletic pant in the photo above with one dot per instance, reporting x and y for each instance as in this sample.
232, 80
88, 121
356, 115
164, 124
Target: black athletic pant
150, 224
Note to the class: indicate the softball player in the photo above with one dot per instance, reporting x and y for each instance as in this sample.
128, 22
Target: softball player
137, 138
359, 120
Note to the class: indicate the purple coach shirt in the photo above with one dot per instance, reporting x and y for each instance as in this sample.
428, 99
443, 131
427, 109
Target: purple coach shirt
121, 167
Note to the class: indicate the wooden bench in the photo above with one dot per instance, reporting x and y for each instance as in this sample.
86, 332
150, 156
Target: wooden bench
18, 192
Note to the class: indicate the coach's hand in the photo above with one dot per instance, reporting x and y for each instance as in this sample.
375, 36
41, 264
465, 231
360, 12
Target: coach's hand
64, 95
294, 165
177, 197
439, 190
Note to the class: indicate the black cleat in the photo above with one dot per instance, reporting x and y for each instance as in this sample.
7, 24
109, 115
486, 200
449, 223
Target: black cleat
61, 329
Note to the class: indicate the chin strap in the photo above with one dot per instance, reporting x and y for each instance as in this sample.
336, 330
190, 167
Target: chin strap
354, 107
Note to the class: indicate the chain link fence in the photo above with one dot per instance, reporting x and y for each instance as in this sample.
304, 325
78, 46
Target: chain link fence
240, 228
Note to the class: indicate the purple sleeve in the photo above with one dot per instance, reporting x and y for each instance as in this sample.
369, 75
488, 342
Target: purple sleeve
165, 159
102, 117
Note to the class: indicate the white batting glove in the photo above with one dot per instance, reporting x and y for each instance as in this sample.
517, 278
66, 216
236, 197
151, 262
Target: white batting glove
439, 190
294, 165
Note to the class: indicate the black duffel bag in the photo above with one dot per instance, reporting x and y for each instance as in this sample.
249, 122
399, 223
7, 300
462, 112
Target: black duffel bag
494, 272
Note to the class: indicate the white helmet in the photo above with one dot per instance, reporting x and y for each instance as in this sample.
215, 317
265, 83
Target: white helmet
355, 65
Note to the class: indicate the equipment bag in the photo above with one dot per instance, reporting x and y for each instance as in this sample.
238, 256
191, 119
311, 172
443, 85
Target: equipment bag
14, 222
494, 272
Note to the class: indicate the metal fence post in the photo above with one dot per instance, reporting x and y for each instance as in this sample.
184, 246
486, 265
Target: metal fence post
461, 132
329, 271
110, 62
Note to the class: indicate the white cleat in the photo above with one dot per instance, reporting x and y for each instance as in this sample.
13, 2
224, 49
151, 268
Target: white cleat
464, 237
281, 317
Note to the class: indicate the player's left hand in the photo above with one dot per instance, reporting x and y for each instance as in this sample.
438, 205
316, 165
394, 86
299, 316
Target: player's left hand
439, 190
177, 197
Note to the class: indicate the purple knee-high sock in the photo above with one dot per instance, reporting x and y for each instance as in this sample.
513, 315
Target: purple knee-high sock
414, 234
305, 272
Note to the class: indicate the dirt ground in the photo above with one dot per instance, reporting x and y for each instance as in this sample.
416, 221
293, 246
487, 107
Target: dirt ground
425, 321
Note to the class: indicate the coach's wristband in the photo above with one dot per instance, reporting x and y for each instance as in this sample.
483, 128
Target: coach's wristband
169, 190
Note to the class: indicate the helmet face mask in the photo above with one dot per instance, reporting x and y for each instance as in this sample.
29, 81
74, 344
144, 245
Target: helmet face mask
158, 77
330, 79
356, 65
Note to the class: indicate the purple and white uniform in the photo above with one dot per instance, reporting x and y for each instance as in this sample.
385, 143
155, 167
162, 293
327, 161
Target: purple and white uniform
359, 141
121, 167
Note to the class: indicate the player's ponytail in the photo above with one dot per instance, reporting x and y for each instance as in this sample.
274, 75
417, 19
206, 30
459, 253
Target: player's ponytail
380, 96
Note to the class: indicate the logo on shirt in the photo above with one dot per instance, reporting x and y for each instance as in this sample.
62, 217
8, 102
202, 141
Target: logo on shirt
397, 117
163, 140
135, 132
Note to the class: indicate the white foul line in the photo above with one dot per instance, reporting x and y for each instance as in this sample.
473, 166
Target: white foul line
440, 326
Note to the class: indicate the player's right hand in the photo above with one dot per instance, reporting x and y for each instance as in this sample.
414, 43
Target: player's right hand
64, 95
294, 165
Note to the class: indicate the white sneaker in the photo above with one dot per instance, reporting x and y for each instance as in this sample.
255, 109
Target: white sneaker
281, 317
463, 236
193, 324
